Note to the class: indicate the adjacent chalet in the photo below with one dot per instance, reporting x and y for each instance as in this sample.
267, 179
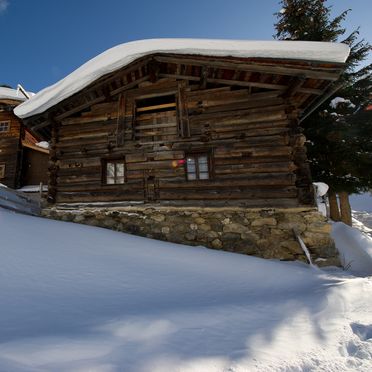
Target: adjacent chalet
187, 123
22, 161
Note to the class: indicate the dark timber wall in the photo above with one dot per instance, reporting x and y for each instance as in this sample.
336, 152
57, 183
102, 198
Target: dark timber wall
150, 120
10, 149
254, 147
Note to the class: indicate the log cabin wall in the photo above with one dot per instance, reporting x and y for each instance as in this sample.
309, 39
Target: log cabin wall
10, 147
182, 130
161, 131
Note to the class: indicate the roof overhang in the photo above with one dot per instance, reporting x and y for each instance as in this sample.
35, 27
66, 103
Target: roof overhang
308, 69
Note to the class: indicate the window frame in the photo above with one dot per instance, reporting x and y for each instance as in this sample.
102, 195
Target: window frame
2, 170
171, 105
115, 161
7, 127
196, 156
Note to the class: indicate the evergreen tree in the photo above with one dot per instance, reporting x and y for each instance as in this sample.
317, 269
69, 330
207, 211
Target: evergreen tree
337, 152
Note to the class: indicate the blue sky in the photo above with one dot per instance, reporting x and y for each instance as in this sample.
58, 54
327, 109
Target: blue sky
44, 40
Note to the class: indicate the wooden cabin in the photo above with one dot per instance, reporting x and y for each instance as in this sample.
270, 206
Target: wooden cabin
213, 125
191, 141
22, 162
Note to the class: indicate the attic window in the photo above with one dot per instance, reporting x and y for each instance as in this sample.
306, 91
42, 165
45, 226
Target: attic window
155, 118
2, 171
4, 126
156, 104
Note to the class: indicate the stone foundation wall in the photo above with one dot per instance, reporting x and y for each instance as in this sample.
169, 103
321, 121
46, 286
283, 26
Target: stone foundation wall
266, 233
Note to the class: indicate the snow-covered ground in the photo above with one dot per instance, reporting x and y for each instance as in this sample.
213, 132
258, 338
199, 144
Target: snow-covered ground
80, 298
362, 212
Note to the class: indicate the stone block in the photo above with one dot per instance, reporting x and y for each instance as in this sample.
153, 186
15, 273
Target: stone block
158, 217
217, 244
165, 230
266, 221
199, 220
235, 228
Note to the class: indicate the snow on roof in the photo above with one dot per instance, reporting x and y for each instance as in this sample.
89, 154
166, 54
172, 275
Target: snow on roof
14, 94
122, 55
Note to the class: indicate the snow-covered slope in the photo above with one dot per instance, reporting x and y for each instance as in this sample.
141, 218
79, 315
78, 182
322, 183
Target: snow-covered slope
124, 54
79, 298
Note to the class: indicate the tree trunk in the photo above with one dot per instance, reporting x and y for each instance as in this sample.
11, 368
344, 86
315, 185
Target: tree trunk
345, 208
333, 207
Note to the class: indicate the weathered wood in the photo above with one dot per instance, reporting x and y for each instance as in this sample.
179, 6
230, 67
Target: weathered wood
240, 115
262, 67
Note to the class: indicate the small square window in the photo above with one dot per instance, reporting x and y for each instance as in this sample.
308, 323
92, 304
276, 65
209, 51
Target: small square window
2, 171
114, 172
4, 126
197, 167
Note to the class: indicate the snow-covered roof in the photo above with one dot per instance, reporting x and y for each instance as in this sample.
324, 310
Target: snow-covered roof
121, 55
13, 94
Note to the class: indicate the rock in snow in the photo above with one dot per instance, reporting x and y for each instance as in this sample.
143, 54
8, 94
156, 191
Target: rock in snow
80, 298
121, 55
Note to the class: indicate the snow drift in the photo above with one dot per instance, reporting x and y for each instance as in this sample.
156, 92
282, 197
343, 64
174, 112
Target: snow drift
80, 298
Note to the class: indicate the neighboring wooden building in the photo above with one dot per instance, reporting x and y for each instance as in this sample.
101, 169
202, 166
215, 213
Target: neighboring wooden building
21, 161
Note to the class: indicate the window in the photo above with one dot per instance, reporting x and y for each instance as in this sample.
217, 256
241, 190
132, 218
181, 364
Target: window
197, 167
114, 172
155, 118
2, 171
4, 126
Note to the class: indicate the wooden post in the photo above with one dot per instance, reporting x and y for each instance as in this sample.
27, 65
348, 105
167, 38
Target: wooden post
334, 211
303, 174
345, 208
182, 112
53, 167
121, 120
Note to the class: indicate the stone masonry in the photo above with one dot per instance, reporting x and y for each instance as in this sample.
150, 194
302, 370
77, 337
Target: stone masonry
266, 233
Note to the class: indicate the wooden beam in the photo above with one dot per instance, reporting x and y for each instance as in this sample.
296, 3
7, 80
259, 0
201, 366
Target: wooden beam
312, 72
80, 107
294, 86
203, 77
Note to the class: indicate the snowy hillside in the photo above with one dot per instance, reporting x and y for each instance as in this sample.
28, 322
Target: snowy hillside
79, 298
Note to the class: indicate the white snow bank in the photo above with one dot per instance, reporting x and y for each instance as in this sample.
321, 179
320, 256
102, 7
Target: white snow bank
121, 55
79, 298
321, 190
337, 100
43, 144
355, 248
33, 188
14, 94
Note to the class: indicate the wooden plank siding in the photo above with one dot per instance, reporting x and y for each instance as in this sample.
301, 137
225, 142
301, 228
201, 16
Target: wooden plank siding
242, 113
246, 136
10, 148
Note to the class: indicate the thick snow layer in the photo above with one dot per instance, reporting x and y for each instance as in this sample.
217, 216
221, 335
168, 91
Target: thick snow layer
79, 298
14, 94
321, 188
355, 248
124, 54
